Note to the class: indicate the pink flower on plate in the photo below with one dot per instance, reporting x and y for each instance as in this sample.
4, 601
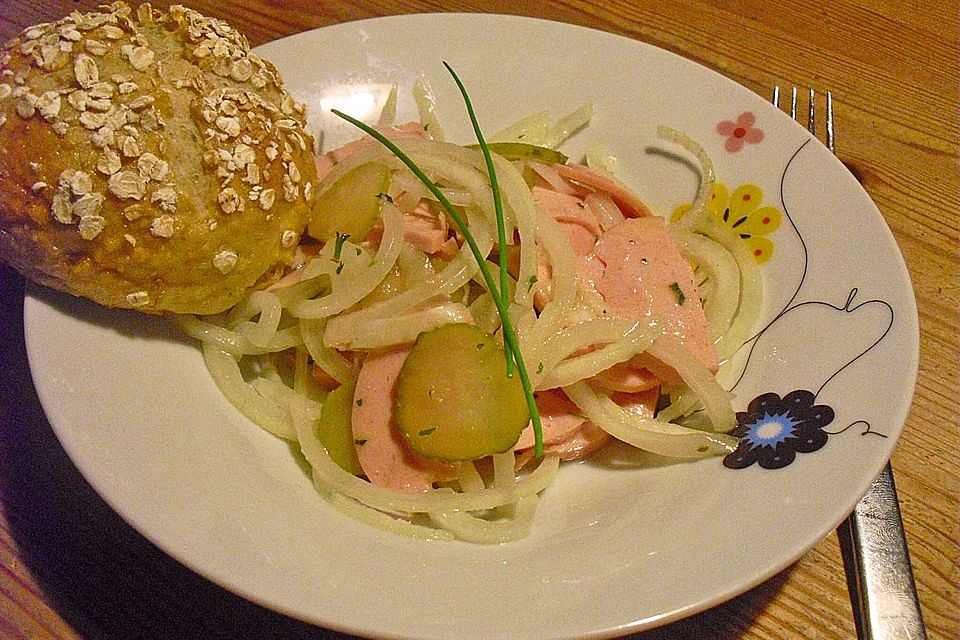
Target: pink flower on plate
740, 131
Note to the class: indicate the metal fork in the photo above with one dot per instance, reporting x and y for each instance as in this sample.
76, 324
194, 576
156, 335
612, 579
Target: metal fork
872, 540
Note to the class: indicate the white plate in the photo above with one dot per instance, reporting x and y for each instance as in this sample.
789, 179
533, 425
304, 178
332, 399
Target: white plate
622, 542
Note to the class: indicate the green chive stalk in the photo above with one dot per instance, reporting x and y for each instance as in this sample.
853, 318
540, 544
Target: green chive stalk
509, 335
497, 200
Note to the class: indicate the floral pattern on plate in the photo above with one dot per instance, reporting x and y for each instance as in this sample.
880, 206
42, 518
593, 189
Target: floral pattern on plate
773, 430
740, 131
741, 210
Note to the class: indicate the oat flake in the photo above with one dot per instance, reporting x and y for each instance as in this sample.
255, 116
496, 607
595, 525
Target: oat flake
91, 226
25, 106
230, 126
225, 261
229, 200
243, 155
49, 105
109, 162
61, 208
294, 173
105, 137
166, 196
78, 99
138, 298
152, 167
95, 47
85, 70
141, 58
127, 185
162, 226
88, 205
80, 183
267, 197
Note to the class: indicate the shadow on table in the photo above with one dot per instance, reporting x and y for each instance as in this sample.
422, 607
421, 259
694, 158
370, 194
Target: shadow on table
108, 582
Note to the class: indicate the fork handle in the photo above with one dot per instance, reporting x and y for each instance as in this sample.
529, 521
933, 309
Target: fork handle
879, 574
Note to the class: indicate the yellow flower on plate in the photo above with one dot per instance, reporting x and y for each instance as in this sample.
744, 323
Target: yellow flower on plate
742, 212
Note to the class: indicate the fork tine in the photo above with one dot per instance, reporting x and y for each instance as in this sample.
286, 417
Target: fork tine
830, 122
811, 112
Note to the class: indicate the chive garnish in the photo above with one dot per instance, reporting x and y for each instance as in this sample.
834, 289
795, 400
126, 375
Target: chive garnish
497, 198
509, 335
338, 249
675, 287
338, 244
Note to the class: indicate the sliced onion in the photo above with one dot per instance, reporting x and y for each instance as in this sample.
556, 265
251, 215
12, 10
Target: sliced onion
721, 305
386, 332
233, 342
264, 412
365, 281
656, 436
715, 400
608, 213
554, 179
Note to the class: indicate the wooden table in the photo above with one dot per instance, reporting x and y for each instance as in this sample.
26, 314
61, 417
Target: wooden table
71, 568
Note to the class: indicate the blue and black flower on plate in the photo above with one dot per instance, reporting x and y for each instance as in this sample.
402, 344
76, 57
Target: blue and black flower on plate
773, 430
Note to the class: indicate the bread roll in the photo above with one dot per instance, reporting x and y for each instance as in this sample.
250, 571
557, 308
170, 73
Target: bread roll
148, 160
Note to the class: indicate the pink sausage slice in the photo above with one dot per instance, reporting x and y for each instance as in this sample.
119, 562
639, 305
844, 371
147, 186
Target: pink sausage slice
578, 221
399, 132
627, 200
645, 276
428, 232
558, 417
384, 456
582, 228
326, 161
568, 433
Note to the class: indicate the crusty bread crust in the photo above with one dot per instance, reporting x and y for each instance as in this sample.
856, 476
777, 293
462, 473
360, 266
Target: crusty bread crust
149, 160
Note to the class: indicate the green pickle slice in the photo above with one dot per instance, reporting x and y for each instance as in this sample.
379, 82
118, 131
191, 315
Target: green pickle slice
524, 151
334, 428
352, 204
454, 400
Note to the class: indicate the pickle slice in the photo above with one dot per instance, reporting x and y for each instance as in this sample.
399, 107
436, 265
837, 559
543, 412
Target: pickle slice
352, 204
454, 400
524, 151
334, 428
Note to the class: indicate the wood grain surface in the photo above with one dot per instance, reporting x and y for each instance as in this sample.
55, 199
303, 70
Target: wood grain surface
71, 568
